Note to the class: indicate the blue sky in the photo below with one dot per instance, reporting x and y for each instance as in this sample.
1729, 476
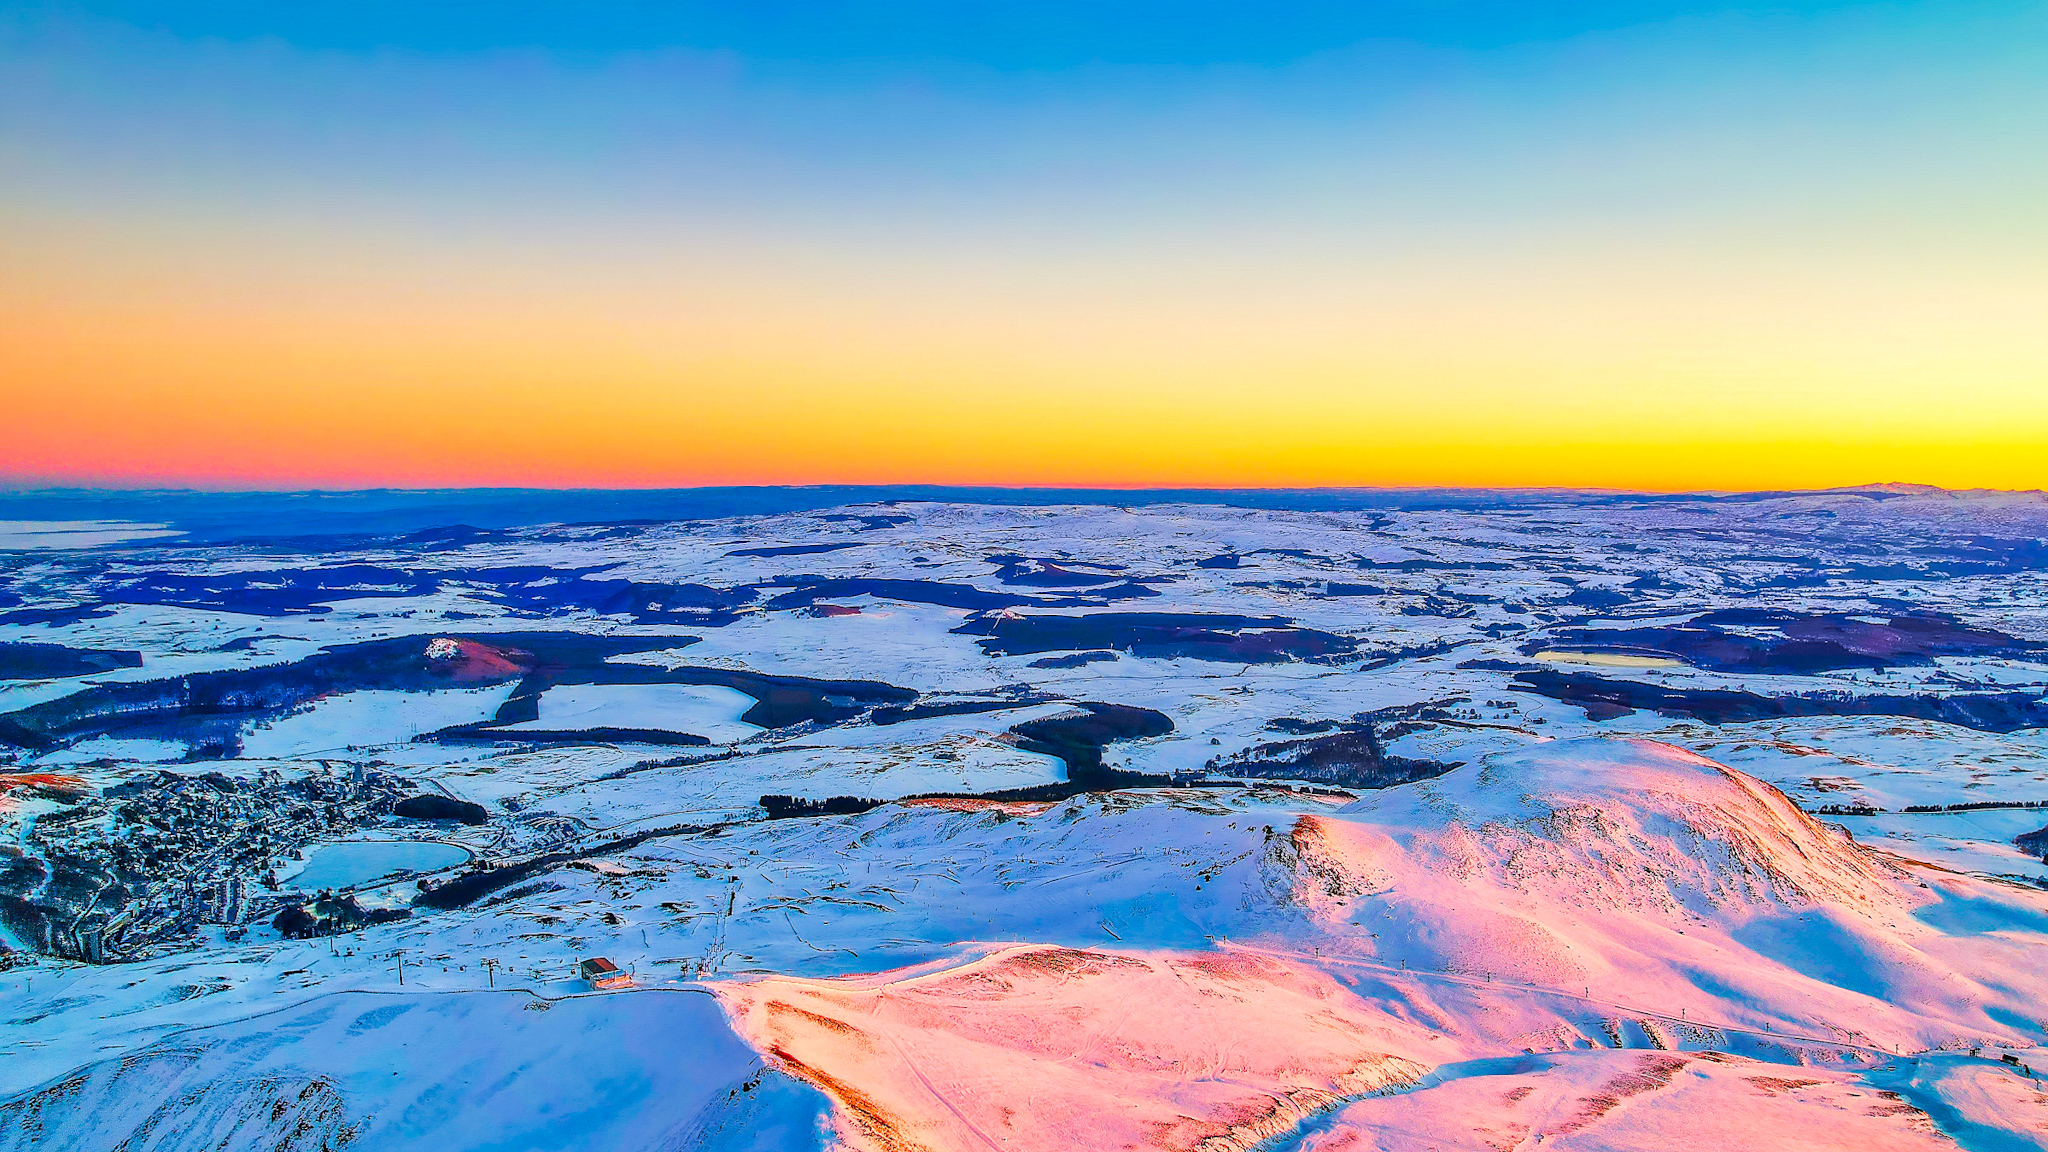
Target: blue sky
1049, 35
1563, 218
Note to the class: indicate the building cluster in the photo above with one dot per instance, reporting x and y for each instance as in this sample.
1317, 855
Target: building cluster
144, 865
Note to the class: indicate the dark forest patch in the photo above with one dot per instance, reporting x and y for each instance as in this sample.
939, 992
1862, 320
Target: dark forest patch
1446, 607
1764, 640
481, 880
267, 592
795, 549
1036, 573
1347, 752
1605, 699
700, 605
1427, 564
870, 522
1980, 556
533, 590
1296, 726
57, 617
1293, 553
25, 661
1353, 757
212, 705
429, 806
1596, 597
1077, 739
925, 710
1164, 635
2033, 843
781, 807
1076, 660
482, 734
803, 590
779, 701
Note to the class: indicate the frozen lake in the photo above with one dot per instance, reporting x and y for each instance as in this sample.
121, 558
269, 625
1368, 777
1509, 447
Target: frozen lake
360, 861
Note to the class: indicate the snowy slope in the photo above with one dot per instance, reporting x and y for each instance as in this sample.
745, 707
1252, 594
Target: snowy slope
404, 1070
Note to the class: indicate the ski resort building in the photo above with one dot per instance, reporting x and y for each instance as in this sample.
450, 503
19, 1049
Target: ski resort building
603, 974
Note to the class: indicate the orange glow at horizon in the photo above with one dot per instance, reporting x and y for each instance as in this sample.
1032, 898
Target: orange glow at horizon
288, 417
375, 372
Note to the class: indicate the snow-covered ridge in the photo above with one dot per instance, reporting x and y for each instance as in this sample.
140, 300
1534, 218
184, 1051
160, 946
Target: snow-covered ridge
1622, 823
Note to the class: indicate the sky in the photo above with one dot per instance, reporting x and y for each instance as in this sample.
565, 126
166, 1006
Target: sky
1654, 244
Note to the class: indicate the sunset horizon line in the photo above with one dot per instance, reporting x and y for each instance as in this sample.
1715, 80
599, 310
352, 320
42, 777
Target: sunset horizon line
18, 489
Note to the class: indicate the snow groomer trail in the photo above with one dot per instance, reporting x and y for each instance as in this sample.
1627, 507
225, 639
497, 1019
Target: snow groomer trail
1429, 820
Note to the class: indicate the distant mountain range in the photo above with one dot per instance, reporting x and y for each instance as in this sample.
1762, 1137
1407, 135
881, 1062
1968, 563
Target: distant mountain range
220, 517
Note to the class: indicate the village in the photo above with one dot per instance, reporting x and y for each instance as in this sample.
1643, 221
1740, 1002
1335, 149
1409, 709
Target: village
143, 866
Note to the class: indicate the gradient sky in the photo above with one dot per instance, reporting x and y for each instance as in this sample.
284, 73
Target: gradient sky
1077, 242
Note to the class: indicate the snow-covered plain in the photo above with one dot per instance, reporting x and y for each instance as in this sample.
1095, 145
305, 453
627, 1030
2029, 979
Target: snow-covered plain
711, 711
334, 724
1598, 823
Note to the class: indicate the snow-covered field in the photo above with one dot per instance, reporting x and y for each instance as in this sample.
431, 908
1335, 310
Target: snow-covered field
333, 724
1591, 823
712, 712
